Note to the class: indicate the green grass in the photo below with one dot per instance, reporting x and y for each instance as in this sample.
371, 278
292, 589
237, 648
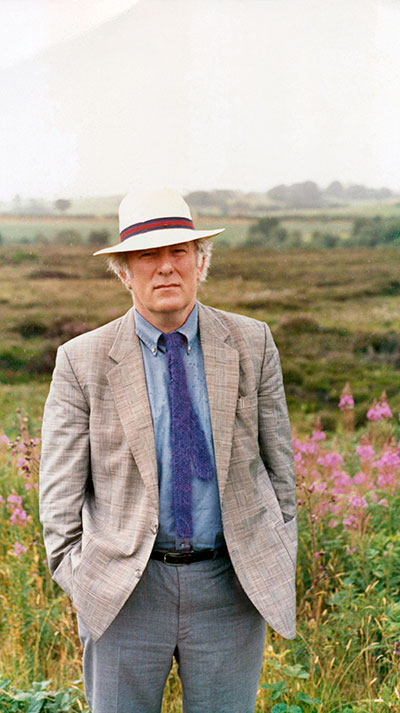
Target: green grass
345, 656
334, 314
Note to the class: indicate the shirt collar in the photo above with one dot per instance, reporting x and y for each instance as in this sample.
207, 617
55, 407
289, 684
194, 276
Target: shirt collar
149, 334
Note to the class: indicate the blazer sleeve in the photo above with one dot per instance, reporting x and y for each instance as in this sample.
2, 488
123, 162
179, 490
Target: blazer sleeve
64, 470
275, 438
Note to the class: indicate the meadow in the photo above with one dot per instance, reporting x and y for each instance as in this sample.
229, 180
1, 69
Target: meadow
335, 317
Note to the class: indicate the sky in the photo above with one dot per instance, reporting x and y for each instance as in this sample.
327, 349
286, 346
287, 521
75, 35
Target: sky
98, 97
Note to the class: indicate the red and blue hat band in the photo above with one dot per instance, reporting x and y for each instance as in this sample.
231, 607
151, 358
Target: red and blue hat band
157, 224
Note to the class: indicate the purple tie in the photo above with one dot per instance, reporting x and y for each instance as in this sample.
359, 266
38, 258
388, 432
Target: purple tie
190, 454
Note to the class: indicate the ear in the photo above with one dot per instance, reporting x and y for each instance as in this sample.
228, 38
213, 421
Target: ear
124, 277
200, 268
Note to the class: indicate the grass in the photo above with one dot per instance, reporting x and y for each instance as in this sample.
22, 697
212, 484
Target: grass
345, 657
335, 316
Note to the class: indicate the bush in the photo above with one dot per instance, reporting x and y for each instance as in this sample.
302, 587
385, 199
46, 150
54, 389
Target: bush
98, 237
266, 232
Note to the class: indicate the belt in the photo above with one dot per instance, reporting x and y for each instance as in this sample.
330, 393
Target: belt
177, 559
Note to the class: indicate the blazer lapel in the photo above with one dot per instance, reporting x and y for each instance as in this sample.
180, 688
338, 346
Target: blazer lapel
221, 364
128, 385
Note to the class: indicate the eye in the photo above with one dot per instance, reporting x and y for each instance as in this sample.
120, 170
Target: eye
148, 254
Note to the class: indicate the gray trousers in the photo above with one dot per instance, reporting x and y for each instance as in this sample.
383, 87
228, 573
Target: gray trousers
197, 613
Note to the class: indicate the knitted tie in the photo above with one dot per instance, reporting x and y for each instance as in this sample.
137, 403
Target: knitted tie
190, 454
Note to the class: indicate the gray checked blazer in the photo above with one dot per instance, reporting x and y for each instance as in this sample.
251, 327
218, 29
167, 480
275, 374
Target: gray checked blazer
98, 480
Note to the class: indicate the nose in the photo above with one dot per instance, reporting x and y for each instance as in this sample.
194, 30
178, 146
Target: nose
165, 266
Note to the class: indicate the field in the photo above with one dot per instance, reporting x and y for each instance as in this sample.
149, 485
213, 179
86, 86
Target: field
335, 317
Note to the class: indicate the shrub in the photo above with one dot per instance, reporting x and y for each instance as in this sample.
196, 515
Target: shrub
98, 237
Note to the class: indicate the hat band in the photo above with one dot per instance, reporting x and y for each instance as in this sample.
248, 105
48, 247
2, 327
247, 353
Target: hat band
157, 224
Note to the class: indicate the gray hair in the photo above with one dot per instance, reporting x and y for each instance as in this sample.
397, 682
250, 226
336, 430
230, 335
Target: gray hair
117, 262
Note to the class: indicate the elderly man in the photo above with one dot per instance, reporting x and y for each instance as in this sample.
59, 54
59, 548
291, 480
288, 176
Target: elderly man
167, 481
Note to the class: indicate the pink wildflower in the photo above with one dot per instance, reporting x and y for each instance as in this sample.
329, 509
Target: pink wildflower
359, 478
365, 452
2, 501
18, 549
385, 410
350, 522
346, 402
380, 409
330, 460
14, 499
357, 501
19, 516
318, 435
389, 459
5, 439
383, 502
374, 412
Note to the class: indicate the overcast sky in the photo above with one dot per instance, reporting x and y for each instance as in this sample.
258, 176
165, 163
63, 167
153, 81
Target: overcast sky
98, 96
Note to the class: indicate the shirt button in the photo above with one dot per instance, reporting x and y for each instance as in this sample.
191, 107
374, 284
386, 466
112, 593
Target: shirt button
154, 529
154, 350
138, 573
189, 348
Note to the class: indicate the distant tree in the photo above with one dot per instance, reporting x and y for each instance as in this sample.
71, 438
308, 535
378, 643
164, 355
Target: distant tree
62, 204
298, 195
266, 232
335, 190
324, 240
98, 237
304, 195
279, 193
200, 199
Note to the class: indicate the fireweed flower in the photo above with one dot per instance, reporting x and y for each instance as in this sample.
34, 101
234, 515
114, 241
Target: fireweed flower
330, 460
18, 516
14, 499
374, 412
18, 549
365, 452
379, 409
346, 402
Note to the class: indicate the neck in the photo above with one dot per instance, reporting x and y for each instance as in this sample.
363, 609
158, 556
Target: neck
167, 321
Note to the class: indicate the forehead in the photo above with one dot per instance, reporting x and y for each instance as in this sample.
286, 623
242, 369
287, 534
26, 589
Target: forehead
189, 246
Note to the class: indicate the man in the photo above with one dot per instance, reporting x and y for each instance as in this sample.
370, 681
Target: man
167, 481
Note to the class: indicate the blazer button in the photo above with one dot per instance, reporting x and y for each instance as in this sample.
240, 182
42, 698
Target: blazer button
154, 529
138, 573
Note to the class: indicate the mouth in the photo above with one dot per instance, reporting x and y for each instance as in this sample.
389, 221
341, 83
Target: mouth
166, 287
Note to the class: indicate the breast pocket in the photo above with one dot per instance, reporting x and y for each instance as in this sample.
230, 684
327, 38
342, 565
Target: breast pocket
247, 402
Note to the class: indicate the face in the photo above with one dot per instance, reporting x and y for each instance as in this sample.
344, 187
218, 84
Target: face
163, 282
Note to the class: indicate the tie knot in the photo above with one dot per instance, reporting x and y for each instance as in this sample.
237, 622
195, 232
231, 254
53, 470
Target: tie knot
174, 340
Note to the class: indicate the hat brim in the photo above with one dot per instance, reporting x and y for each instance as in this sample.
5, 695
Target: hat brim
158, 238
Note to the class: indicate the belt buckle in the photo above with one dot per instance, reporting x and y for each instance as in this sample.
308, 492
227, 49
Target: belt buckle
173, 554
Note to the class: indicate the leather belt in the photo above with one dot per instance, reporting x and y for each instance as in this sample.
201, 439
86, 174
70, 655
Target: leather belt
177, 559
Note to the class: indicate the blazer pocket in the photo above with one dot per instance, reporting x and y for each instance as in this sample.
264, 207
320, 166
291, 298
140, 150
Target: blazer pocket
287, 532
247, 402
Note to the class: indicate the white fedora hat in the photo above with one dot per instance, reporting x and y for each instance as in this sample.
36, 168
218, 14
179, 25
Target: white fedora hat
154, 219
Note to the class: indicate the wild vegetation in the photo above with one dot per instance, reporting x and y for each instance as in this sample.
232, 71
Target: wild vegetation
335, 317
345, 657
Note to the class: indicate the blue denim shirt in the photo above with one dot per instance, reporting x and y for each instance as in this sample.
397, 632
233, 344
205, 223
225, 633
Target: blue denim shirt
207, 522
